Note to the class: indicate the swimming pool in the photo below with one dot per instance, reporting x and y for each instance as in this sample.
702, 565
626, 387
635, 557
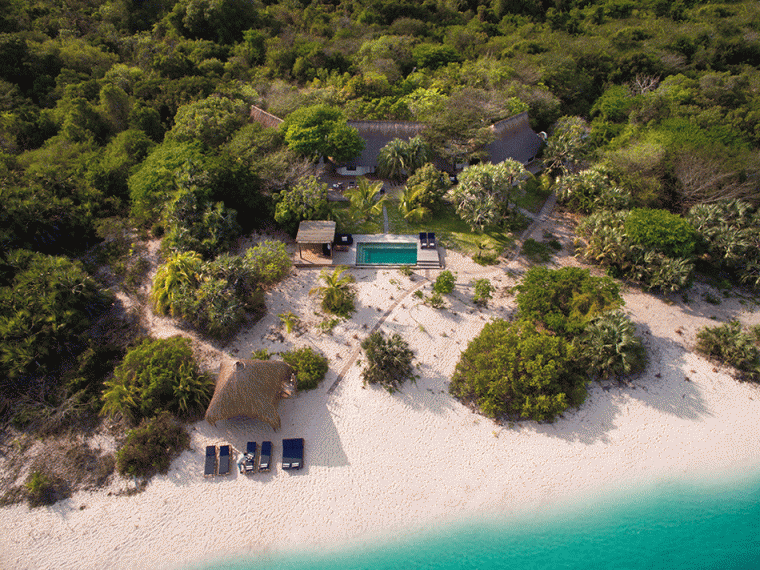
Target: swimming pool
368, 253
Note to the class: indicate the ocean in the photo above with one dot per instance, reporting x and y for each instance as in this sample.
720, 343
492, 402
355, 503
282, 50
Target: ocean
691, 524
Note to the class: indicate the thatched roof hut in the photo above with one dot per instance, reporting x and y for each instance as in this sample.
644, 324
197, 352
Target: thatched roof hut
251, 388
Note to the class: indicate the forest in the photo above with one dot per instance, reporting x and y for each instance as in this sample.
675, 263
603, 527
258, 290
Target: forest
124, 120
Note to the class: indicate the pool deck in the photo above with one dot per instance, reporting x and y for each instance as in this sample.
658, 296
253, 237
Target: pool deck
427, 258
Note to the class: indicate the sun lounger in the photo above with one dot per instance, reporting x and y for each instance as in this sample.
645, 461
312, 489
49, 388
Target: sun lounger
210, 468
266, 456
423, 240
292, 453
224, 460
431, 240
247, 464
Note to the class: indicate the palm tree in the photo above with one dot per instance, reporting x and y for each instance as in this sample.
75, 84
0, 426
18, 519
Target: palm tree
364, 202
337, 292
417, 154
611, 346
410, 207
392, 160
180, 270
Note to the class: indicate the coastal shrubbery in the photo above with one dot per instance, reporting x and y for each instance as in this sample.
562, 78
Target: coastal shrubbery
154, 376
338, 292
44, 489
444, 283
151, 447
309, 365
568, 331
729, 344
389, 361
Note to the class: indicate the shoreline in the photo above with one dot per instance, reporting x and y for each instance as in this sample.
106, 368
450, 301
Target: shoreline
381, 465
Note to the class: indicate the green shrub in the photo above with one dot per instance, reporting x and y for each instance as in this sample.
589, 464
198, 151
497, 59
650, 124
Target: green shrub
730, 345
268, 262
290, 320
157, 375
338, 292
513, 369
151, 447
261, 354
609, 346
564, 300
536, 251
659, 230
43, 489
309, 365
483, 292
444, 283
389, 361
435, 300
591, 190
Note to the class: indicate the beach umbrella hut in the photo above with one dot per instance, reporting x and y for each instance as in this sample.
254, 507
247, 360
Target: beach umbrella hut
251, 388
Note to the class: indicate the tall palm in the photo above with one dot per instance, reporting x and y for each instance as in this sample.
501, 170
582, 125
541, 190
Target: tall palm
410, 206
180, 270
418, 154
392, 160
364, 203
337, 292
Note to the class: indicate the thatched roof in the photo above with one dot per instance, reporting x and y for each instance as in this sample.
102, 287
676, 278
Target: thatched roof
316, 231
266, 119
251, 388
377, 134
514, 139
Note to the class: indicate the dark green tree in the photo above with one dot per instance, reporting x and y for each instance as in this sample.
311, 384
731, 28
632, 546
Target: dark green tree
321, 131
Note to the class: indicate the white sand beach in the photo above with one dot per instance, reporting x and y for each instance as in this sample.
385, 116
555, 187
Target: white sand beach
379, 463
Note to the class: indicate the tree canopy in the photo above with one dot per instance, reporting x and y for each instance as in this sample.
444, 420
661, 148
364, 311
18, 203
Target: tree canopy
321, 131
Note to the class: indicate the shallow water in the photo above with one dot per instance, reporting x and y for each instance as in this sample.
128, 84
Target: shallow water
694, 524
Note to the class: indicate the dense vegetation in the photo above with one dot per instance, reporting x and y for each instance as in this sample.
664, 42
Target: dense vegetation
568, 331
389, 361
123, 120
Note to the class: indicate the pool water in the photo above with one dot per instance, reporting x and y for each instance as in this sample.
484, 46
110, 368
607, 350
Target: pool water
386, 254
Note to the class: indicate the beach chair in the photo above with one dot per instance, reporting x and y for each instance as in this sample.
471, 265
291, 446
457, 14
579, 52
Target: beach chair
292, 453
247, 464
224, 460
431, 240
210, 469
265, 458
423, 240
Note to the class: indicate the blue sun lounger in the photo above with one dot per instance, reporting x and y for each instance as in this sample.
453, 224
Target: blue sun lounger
292, 453
431, 240
224, 460
423, 240
210, 468
266, 456
247, 464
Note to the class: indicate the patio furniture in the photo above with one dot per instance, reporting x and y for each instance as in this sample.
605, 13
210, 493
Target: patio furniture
224, 460
266, 456
292, 453
423, 240
248, 463
430, 240
209, 469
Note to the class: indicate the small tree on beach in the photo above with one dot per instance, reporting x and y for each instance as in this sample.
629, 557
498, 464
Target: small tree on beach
337, 293
389, 361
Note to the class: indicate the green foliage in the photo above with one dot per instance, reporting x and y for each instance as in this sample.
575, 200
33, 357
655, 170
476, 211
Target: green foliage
321, 131
565, 299
484, 192
568, 144
268, 262
483, 291
730, 234
154, 376
445, 282
435, 300
536, 251
338, 292
44, 489
307, 200
401, 158
152, 446
659, 230
46, 306
211, 121
729, 344
591, 190
290, 320
364, 201
425, 188
609, 346
513, 369
389, 361
181, 273
309, 365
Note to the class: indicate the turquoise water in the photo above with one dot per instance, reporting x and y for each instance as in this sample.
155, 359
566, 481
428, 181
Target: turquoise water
386, 253
672, 525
